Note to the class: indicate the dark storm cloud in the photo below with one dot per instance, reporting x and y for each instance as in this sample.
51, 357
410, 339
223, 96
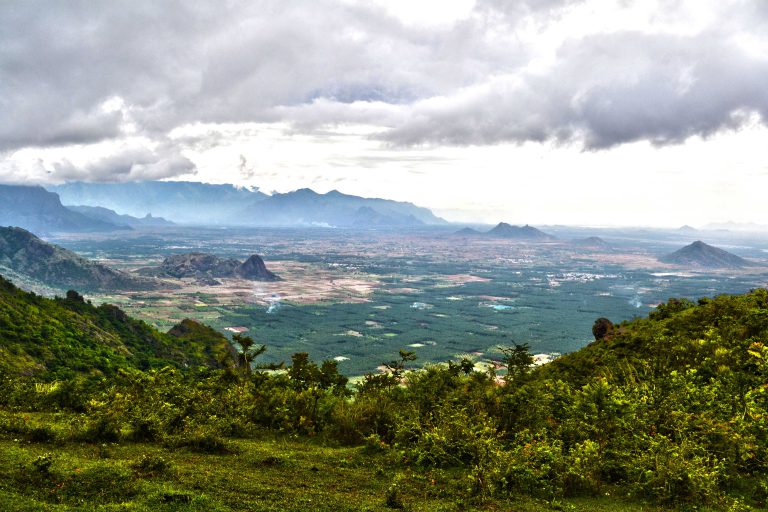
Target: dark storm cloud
81, 71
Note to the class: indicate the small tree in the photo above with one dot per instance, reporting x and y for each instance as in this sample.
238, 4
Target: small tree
518, 360
248, 351
601, 328
389, 379
397, 367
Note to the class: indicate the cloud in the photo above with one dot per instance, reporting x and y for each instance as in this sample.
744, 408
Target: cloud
134, 160
603, 91
125, 164
72, 74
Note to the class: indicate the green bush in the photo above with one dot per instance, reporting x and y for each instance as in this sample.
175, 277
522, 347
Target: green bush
672, 474
150, 466
533, 466
451, 436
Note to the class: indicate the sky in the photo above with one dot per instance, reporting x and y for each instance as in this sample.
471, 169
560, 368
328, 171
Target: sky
588, 112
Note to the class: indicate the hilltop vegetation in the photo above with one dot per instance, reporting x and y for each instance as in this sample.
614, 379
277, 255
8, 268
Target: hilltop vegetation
669, 410
65, 337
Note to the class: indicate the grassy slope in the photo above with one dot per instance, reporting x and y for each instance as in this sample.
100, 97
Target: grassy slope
269, 474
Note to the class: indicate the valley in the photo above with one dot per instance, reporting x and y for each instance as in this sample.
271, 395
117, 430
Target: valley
361, 296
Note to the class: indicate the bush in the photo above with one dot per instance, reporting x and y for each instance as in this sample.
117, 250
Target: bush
450, 437
672, 474
533, 466
149, 465
100, 429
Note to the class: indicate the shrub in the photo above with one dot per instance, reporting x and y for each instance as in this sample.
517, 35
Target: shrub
673, 474
533, 466
449, 437
149, 465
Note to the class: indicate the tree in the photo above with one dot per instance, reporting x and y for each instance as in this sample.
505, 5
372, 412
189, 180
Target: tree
518, 360
248, 351
601, 328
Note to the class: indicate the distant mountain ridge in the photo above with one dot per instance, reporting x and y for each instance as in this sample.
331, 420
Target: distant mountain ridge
736, 226
40, 211
305, 207
112, 217
206, 204
179, 201
505, 230
28, 256
699, 254
526, 232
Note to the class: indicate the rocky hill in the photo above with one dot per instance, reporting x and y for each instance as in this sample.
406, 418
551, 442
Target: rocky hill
207, 267
38, 210
254, 269
701, 255
592, 242
23, 254
467, 232
504, 230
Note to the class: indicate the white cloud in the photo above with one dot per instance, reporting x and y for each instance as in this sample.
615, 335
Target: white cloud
441, 104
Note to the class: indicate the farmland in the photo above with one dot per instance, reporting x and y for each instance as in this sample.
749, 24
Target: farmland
360, 297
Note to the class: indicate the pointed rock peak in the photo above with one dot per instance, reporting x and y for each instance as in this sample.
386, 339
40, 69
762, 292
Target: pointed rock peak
254, 269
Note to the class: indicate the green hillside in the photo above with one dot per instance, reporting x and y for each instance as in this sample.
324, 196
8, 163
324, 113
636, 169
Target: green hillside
24, 255
62, 337
669, 411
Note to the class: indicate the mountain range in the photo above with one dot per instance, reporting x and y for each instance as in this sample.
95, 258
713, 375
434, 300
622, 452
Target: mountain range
100, 213
40, 211
179, 201
699, 254
27, 257
207, 204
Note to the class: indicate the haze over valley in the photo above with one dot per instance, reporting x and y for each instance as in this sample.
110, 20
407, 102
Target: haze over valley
357, 288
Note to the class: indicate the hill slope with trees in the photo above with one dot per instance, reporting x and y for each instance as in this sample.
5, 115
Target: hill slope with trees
665, 411
66, 337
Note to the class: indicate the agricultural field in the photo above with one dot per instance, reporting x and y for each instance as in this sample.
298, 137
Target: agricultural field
360, 297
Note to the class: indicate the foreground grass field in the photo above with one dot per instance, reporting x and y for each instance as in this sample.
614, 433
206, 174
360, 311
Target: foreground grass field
271, 474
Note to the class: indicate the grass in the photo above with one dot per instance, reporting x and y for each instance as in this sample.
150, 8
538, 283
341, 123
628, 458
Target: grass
273, 473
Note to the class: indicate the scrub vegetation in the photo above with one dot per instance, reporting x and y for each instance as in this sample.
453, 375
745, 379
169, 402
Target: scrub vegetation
664, 411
